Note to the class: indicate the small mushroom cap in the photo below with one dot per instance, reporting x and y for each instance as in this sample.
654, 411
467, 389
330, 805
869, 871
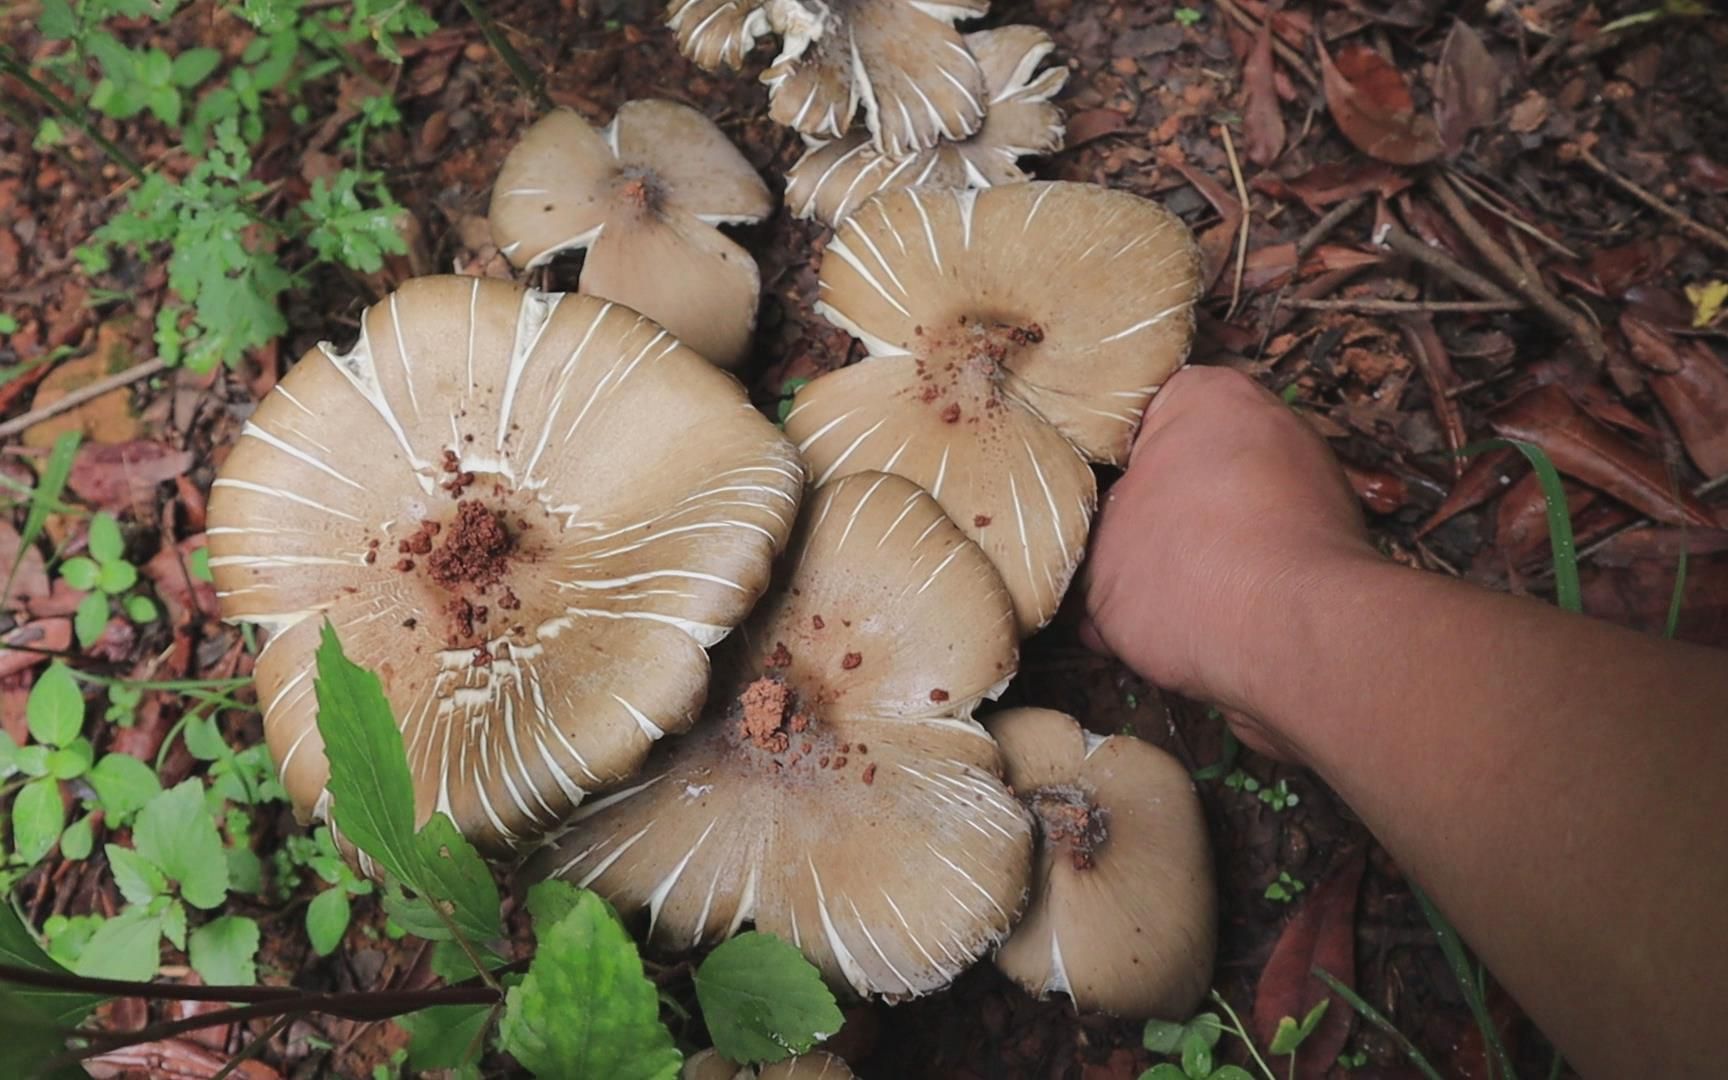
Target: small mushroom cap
643, 195
483, 499
836, 793
901, 60
1133, 933
834, 179
717, 33
1015, 334
709, 1065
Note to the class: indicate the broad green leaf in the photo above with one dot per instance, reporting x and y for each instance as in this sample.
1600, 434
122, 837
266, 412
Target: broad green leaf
137, 877
203, 739
222, 951
1288, 1037
1162, 1036
29, 1040
194, 66
450, 963
453, 875
414, 915
37, 818
763, 1001
123, 784
124, 947
445, 1036
1165, 1071
80, 573
140, 609
91, 618
57, 22
585, 1008
116, 577
55, 708
175, 831
327, 919
1196, 1055
72, 760
19, 948
106, 543
371, 791
1230, 1072
32, 760
245, 871
173, 920
78, 840
1208, 1026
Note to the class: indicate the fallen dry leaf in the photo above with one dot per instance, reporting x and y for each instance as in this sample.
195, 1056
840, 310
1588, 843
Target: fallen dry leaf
30, 579
1321, 934
1467, 90
1638, 596
1660, 542
1380, 491
1590, 452
1325, 185
1521, 522
1084, 127
118, 478
1263, 119
1691, 381
24, 646
1372, 106
1487, 475
1707, 299
107, 418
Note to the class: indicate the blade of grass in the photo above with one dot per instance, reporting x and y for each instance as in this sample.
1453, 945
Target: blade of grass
1375, 1017
1674, 601
1458, 959
49, 484
1567, 592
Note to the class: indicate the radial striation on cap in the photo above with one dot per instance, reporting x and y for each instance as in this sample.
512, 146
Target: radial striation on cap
643, 197
1014, 335
836, 793
1123, 918
833, 179
482, 498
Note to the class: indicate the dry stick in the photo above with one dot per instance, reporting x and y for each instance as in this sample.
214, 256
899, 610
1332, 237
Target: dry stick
1531, 288
1247, 215
1478, 192
1407, 245
1586, 552
81, 395
1321, 229
1679, 217
1378, 306
1285, 53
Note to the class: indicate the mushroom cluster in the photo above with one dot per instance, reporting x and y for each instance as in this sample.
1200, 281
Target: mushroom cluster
643, 197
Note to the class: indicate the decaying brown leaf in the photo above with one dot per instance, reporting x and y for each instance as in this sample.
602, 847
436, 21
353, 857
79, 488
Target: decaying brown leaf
1588, 451
1263, 119
1467, 90
1691, 381
1321, 934
124, 477
1487, 475
1372, 106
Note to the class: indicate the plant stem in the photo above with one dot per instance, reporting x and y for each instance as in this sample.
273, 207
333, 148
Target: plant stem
1375, 1017
1242, 1033
256, 1046
74, 116
512, 59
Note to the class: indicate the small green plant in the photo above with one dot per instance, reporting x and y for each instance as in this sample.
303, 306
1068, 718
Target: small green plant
106, 577
1285, 888
1187, 16
1278, 796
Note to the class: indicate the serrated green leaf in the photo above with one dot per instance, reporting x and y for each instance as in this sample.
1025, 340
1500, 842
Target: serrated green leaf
80, 573
91, 618
105, 541
19, 948
55, 709
138, 879
78, 840
123, 784
327, 920
223, 951
128, 946
371, 790
763, 1001
453, 875
57, 22
37, 818
450, 962
585, 1008
445, 1036
175, 831
173, 914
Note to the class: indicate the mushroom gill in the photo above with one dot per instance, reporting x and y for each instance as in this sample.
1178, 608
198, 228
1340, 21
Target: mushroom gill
833, 179
643, 197
1014, 335
836, 793
1122, 918
482, 498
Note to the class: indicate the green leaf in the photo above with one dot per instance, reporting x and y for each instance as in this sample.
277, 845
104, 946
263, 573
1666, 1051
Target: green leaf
72, 760
222, 951
763, 1001
371, 791
199, 563
123, 784
124, 947
173, 921
452, 875
50, 482
451, 963
1564, 549
1230, 1072
80, 573
55, 708
176, 832
139, 880
1288, 1036
140, 609
37, 818
585, 1008
116, 577
1165, 1071
445, 1036
1162, 1036
1196, 1055
57, 22
105, 541
203, 740
327, 919
32, 760
1207, 1026
194, 66
8, 755
91, 618
78, 840
19, 948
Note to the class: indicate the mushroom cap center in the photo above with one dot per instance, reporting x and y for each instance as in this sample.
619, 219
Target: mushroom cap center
775, 733
962, 369
1070, 822
640, 189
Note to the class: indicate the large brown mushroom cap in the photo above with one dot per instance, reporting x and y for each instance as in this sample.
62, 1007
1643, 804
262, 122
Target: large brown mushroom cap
832, 180
482, 496
643, 196
1015, 334
836, 793
709, 1065
1123, 917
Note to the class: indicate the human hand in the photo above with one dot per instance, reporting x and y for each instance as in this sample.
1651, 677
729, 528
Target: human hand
1231, 510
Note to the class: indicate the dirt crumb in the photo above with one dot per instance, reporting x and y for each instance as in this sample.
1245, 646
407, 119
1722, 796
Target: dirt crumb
477, 550
869, 774
851, 660
951, 414
765, 703
979, 521
938, 695
1070, 821
816, 622
782, 656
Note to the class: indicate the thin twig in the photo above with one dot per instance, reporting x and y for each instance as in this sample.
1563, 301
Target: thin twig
69, 113
1247, 215
1673, 213
1321, 229
255, 1047
512, 59
81, 395
1531, 288
1285, 52
1698, 492
1478, 192
1377, 306
1399, 240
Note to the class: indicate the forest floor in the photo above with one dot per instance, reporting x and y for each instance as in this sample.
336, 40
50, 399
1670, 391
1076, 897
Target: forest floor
1592, 163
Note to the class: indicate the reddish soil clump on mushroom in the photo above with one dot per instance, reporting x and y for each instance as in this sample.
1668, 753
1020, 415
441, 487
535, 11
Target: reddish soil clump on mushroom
476, 550
765, 704
1070, 821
